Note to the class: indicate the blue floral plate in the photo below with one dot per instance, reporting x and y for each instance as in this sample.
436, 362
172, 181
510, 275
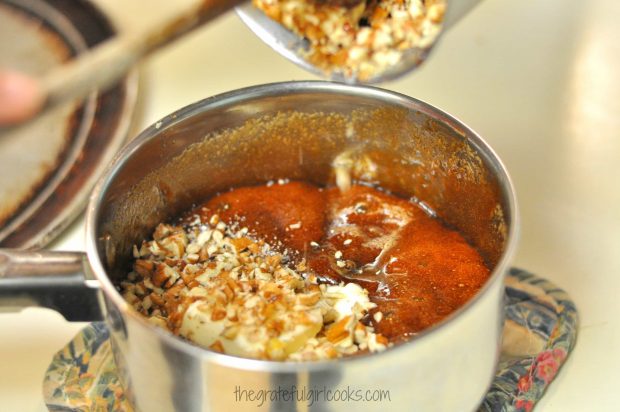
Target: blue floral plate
539, 332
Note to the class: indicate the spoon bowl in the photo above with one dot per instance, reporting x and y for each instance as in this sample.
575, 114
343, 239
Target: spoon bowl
295, 47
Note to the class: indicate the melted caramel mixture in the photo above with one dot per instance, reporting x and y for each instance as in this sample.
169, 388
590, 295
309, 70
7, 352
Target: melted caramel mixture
416, 270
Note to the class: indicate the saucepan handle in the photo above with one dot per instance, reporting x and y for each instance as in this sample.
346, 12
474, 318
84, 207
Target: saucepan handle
55, 280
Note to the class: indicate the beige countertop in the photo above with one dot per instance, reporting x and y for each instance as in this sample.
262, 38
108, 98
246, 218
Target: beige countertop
540, 81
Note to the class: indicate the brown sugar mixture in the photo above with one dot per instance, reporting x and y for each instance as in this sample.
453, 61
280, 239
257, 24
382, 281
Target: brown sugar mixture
291, 271
416, 270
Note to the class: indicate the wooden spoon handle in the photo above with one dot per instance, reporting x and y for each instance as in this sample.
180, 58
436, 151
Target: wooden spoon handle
104, 65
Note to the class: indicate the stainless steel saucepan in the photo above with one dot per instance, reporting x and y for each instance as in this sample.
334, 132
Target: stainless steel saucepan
285, 130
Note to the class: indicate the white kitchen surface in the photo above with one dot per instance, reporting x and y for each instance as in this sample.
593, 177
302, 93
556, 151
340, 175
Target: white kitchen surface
540, 81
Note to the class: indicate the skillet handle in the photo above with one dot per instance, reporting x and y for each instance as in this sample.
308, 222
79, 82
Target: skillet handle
54, 280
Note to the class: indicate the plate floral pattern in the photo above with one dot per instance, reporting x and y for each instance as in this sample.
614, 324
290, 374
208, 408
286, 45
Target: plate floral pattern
82, 376
539, 332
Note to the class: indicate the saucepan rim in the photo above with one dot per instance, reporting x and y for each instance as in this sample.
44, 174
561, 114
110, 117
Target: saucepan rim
281, 89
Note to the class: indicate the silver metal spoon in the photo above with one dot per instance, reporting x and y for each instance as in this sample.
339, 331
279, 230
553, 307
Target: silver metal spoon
292, 46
